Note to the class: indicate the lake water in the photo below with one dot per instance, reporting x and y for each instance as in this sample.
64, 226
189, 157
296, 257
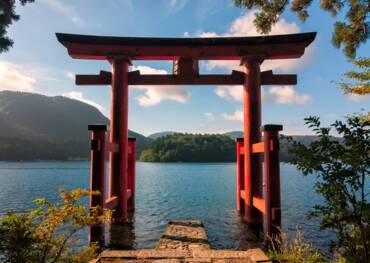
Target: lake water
166, 192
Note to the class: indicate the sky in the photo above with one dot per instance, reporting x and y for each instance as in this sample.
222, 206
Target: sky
38, 63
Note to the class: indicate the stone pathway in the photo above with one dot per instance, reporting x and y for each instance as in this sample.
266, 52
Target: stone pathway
183, 242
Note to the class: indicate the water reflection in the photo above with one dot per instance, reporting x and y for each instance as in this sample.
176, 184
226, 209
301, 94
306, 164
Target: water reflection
122, 236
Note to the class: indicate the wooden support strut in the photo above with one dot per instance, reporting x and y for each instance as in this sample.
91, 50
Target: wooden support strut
240, 203
97, 177
272, 216
131, 169
235, 78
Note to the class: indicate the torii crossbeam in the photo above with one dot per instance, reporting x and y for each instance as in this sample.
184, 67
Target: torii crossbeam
186, 54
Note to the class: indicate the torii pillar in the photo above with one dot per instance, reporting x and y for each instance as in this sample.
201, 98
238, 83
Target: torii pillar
119, 136
252, 134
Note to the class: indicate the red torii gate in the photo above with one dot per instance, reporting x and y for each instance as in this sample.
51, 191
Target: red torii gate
185, 54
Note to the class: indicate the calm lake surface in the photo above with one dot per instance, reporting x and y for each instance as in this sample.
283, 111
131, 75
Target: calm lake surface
166, 192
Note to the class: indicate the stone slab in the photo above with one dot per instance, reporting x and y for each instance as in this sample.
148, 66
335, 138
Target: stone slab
183, 242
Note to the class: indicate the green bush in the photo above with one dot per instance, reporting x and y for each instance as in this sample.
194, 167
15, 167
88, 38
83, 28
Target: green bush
46, 233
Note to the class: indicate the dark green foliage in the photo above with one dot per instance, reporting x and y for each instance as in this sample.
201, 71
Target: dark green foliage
342, 168
180, 147
352, 31
190, 148
16, 238
46, 234
7, 17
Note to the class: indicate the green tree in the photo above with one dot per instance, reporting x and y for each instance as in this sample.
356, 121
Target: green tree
190, 148
342, 168
46, 233
7, 17
350, 32
358, 82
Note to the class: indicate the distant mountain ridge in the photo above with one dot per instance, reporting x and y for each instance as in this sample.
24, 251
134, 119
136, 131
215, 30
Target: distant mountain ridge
157, 135
305, 139
38, 127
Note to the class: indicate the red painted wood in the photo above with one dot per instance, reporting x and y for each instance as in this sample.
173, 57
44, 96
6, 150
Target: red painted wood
268, 78
135, 78
258, 147
252, 134
112, 202
112, 147
219, 48
131, 174
119, 135
240, 205
156, 79
272, 217
270, 51
260, 204
242, 194
97, 178
186, 66
104, 78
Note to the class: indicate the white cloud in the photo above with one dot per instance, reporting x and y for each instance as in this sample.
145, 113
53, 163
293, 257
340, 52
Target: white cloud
65, 10
356, 97
76, 95
277, 94
287, 95
70, 75
236, 116
177, 5
209, 115
230, 92
154, 94
16, 78
244, 26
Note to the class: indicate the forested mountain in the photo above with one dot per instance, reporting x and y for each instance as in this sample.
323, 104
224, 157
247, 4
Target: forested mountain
190, 148
180, 147
161, 134
38, 127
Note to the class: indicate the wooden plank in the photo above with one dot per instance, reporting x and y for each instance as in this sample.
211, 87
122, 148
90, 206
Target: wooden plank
235, 78
111, 202
112, 147
219, 48
268, 78
104, 78
258, 147
240, 203
242, 150
242, 194
259, 203
129, 193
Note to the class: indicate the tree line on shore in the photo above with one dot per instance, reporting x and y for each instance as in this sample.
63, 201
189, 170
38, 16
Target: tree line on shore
185, 147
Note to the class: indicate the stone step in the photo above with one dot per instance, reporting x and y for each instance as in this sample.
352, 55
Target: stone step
184, 235
183, 242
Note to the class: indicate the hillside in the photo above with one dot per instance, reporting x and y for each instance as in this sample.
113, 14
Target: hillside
187, 147
190, 148
157, 135
38, 127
